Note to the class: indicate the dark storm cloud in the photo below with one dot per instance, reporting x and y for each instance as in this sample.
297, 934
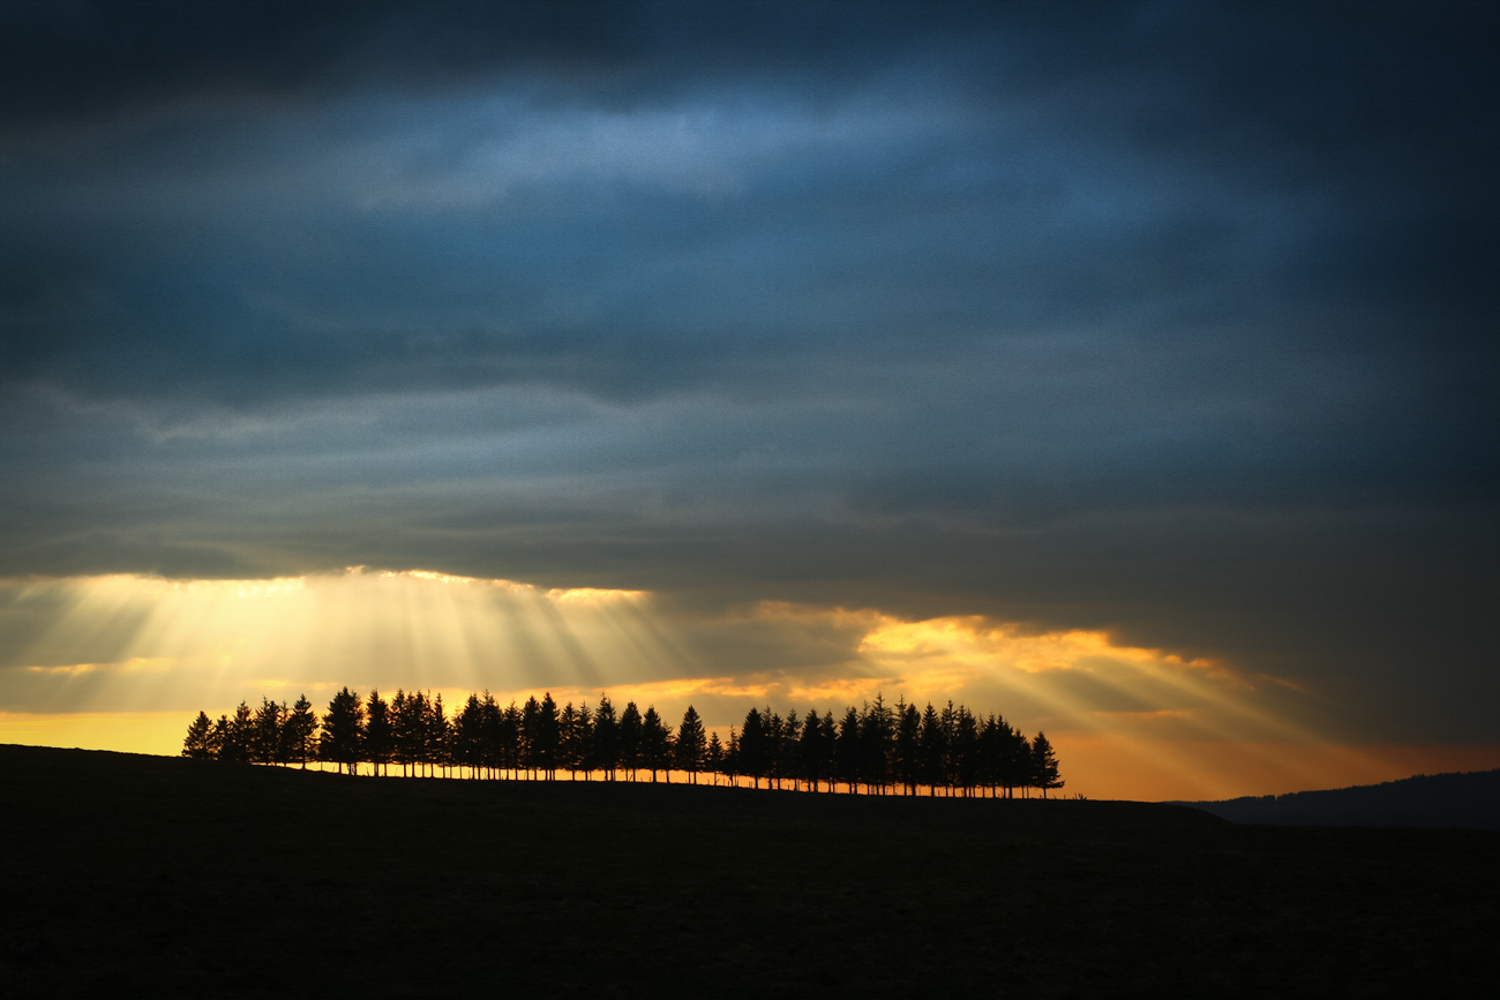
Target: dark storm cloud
1173, 319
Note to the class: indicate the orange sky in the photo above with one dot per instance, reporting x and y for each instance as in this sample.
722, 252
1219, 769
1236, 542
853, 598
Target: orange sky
124, 662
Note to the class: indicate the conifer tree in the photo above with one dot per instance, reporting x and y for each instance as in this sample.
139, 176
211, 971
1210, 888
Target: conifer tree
934, 748
846, 749
197, 744
1017, 764
531, 735
299, 733
751, 758
908, 754
788, 736
414, 730
468, 735
378, 739
630, 733
438, 733
569, 755
238, 735
219, 737
810, 751
547, 737
265, 732
491, 723
656, 743
713, 757
406, 731
1044, 771
509, 740
691, 743
876, 735
342, 730
606, 743
965, 750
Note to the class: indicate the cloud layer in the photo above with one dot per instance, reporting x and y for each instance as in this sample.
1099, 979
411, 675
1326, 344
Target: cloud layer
1169, 324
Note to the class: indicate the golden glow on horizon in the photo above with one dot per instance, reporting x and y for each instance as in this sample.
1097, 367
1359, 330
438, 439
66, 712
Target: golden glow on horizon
109, 653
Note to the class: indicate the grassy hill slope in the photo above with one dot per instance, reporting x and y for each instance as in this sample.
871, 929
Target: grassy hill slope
160, 876
1468, 800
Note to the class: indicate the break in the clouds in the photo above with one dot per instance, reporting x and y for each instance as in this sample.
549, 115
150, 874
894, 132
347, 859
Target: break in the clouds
1167, 322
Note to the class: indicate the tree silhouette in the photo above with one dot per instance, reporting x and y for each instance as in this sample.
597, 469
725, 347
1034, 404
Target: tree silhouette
629, 739
1044, 773
877, 729
378, 745
656, 743
198, 744
871, 751
299, 733
341, 731
713, 757
265, 732
846, 750
811, 751
437, 733
751, 758
468, 736
691, 743
934, 749
238, 734
530, 735
605, 748
908, 747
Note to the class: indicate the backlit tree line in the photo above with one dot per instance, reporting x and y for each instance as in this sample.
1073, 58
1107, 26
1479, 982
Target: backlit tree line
879, 749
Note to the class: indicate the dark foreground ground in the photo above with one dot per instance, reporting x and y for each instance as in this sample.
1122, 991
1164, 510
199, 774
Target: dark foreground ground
128, 875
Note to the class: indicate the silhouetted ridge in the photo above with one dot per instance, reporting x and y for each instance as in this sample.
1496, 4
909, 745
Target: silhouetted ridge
879, 749
1467, 799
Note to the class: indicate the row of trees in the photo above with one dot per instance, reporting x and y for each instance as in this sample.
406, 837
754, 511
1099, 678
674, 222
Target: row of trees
877, 749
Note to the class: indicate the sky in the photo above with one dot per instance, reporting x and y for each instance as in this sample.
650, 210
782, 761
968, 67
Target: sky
1127, 370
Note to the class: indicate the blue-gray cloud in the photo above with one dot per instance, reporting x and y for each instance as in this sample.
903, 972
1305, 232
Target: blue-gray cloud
1176, 320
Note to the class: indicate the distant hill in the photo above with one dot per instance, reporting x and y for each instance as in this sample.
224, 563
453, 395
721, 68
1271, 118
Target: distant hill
1469, 800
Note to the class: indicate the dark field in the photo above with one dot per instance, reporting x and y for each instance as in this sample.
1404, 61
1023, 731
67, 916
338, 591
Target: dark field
142, 875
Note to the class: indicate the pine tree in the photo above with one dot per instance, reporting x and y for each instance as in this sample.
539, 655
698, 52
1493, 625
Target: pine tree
238, 735
219, 737
378, 736
606, 743
1044, 771
751, 758
691, 743
1017, 764
570, 755
439, 733
713, 758
547, 737
342, 730
510, 740
846, 750
491, 726
908, 753
934, 749
876, 736
531, 714
810, 750
467, 736
298, 733
197, 743
965, 750
656, 743
265, 732
630, 734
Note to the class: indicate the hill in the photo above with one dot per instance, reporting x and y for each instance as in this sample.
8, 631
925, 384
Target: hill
181, 877
1469, 800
